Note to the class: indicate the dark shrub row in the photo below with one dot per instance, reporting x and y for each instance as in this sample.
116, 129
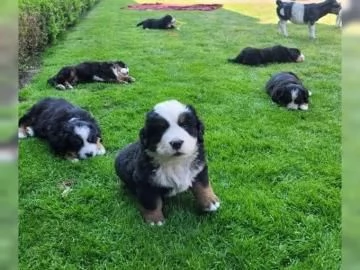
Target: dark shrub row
42, 21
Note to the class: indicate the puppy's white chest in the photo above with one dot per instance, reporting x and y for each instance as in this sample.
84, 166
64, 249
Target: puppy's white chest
177, 176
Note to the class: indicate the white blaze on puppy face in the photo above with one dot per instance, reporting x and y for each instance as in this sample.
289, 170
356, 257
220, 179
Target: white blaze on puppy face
294, 95
170, 111
301, 58
124, 71
88, 149
297, 13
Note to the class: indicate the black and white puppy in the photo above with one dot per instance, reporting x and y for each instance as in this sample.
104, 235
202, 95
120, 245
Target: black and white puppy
276, 54
70, 131
168, 159
309, 14
286, 89
87, 72
166, 22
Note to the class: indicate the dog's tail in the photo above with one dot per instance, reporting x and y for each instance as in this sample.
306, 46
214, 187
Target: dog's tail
278, 2
140, 23
232, 60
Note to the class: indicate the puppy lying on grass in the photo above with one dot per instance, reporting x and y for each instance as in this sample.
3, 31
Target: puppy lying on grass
276, 54
166, 22
87, 72
286, 89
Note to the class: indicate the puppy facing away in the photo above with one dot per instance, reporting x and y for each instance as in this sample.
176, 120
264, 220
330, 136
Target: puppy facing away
87, 72
166, 22
70, 131
169, 158
286, 89
309, 14
276, 54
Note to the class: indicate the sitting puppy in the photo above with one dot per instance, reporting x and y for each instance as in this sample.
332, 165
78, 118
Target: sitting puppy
168, 159
166, 22
309, 14
86, 72
70, 131
277, 54
286, 89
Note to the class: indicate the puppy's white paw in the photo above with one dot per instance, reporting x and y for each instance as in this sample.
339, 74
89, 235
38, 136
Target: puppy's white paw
213, 207
304, 107
159, 223
29, 131
101, 151
22, 133
60, 87
74, 160
310, 93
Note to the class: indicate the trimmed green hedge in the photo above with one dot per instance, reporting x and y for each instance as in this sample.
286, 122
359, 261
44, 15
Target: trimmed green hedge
42, 21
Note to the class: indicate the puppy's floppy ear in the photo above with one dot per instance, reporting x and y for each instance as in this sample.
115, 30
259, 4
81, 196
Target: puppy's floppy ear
199, 124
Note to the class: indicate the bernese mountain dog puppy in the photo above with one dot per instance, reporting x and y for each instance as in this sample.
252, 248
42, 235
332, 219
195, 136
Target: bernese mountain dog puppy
70, 131
169, 158
166, 22
87, 72
276, 54
300, 13
286, 89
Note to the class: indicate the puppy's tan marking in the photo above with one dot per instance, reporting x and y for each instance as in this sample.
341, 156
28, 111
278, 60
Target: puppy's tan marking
154, 217
205, 197
71, 156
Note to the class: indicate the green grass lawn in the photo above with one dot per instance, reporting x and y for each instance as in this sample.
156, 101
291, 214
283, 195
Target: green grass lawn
277, 172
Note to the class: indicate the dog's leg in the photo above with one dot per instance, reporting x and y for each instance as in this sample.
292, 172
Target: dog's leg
151, 206
339, 20
205, 196
282, 27
22, 132
60, 86
71, 156
130, 79
312, 31
100, 148
68, 85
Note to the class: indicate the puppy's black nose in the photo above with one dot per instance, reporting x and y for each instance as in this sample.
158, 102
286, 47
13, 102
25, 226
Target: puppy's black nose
176, 145
90, 154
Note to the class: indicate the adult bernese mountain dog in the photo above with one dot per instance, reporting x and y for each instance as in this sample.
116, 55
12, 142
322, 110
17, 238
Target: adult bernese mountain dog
169, 158
70, 131
87, 72
166, 22
286, 89
277, 54
300, 13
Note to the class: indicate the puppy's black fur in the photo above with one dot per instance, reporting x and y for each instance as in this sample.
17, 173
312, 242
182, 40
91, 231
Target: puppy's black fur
55, 120
276, 54
166, 22
286, 89
87, 72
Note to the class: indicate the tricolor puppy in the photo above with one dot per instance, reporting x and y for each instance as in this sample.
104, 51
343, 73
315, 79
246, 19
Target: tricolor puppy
166, 22
309, 14
87, 72
276, 54
286, 89
168, 159
70, 131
